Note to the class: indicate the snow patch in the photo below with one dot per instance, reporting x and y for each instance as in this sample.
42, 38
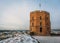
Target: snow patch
23, 38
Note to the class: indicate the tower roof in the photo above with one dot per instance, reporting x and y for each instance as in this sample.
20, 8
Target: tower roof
39, 11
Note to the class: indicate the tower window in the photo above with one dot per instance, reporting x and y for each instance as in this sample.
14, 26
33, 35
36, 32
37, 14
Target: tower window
32, 24
32, 18
40, 18
40, 29
40, 23
47, 18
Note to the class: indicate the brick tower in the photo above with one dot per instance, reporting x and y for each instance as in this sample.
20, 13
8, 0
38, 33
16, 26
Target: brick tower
40, 23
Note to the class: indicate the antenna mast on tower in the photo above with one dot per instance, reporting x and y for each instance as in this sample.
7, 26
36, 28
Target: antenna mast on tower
40, 6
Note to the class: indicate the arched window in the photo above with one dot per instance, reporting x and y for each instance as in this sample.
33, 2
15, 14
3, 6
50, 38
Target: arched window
40, 29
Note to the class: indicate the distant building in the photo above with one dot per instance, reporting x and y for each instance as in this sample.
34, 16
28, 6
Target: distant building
40, 23
55, 32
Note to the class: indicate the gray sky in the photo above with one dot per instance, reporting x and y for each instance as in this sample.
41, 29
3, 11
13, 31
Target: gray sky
15, 14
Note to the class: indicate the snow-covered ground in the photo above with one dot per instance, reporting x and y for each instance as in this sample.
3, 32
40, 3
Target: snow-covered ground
23, 38
48, 39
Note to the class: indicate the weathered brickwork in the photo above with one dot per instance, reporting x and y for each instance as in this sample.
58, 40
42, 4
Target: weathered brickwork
40, 23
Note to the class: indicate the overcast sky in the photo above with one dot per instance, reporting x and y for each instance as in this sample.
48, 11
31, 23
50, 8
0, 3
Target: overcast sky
15, 14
